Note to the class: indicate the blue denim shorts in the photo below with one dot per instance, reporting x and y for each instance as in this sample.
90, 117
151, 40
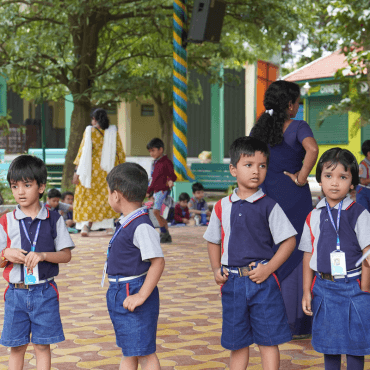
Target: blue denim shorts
253, 313
135, 331
159, 197
341, 322
34, 310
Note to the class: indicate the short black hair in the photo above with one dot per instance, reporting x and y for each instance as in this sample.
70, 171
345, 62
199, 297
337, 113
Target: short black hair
54, 193
365, 147
337, 155
197, 186
247, 145
155, 143
67, 193
130, 179
184, 196
27, 168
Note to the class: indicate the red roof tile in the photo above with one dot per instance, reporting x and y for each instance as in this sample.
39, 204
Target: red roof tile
320, 68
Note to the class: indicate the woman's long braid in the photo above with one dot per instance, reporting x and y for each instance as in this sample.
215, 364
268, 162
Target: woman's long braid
269, 128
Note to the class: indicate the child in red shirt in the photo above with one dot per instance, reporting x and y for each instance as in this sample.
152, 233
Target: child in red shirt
162, 180
182, 215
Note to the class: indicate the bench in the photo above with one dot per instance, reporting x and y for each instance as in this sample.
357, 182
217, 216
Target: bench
54, 160
4, 167
213, 176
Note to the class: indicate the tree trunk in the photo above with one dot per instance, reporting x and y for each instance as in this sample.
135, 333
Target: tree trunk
80, 119
166, 120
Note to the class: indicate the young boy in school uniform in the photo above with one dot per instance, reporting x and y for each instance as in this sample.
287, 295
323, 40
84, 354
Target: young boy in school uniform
134, 266
242, 231
197, 203
33, 241
162, 180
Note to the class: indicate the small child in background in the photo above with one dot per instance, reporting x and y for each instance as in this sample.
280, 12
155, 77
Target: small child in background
67, 198
363, 188
198, 205
54, 204
182, 215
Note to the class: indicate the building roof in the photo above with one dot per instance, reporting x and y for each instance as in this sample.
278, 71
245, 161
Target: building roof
323, 67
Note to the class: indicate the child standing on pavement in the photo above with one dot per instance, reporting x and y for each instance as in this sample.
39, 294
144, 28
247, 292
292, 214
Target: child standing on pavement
134, 266
162, 180
33, 242
363, 188
242, 231
335, 235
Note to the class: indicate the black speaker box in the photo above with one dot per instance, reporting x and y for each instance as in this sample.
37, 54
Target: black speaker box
206, 21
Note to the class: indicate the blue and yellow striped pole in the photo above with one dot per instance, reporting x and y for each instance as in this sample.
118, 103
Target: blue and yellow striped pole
180, 100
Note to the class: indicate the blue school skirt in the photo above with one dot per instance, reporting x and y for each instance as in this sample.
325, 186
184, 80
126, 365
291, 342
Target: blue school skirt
341, 320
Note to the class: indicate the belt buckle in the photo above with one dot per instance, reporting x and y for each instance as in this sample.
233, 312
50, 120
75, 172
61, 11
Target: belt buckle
327, 276
243, 271
20, 286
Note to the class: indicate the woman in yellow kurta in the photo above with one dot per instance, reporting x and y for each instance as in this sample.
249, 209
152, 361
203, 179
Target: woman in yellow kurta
91, 204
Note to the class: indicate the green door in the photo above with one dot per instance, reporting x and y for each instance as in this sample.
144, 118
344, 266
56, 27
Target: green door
334, 129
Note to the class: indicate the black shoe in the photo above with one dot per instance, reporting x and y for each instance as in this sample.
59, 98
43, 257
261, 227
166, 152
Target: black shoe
166, 237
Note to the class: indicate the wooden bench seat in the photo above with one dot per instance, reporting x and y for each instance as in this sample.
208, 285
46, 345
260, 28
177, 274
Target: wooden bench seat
54, 160
213, 176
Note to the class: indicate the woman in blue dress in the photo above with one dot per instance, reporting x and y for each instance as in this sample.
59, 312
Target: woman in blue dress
293, 155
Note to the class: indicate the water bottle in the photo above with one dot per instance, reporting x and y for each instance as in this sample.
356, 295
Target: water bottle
203, 217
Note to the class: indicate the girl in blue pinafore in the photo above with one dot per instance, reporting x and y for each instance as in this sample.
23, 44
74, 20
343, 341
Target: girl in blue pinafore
291, 142
335, 292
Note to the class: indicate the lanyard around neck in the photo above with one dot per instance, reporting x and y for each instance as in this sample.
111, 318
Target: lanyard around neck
33, 244
336, 228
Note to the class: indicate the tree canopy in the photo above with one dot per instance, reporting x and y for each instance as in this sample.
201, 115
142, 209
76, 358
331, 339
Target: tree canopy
106, 52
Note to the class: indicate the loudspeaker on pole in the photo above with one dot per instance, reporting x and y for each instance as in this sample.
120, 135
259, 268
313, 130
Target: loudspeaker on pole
206, 21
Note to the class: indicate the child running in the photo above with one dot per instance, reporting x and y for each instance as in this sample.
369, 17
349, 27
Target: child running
33, 240
134, 265
335, 235
242, 231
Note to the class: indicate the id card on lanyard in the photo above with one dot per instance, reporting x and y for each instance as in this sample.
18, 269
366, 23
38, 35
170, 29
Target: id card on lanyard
135, 215
337, 257
31, 276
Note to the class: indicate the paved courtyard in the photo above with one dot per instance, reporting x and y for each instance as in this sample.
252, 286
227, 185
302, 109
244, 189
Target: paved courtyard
189, 327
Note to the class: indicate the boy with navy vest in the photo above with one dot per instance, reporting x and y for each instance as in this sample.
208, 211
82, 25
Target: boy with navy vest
134, 266
33, 241
241, 234
363, 188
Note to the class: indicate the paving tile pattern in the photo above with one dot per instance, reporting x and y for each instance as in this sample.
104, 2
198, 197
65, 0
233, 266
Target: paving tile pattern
190, 319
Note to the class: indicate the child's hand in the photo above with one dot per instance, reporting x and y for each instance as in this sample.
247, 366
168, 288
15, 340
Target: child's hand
259, 274
133, 301
306, 304
15, 255
170, 184
220, 279
33, 258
